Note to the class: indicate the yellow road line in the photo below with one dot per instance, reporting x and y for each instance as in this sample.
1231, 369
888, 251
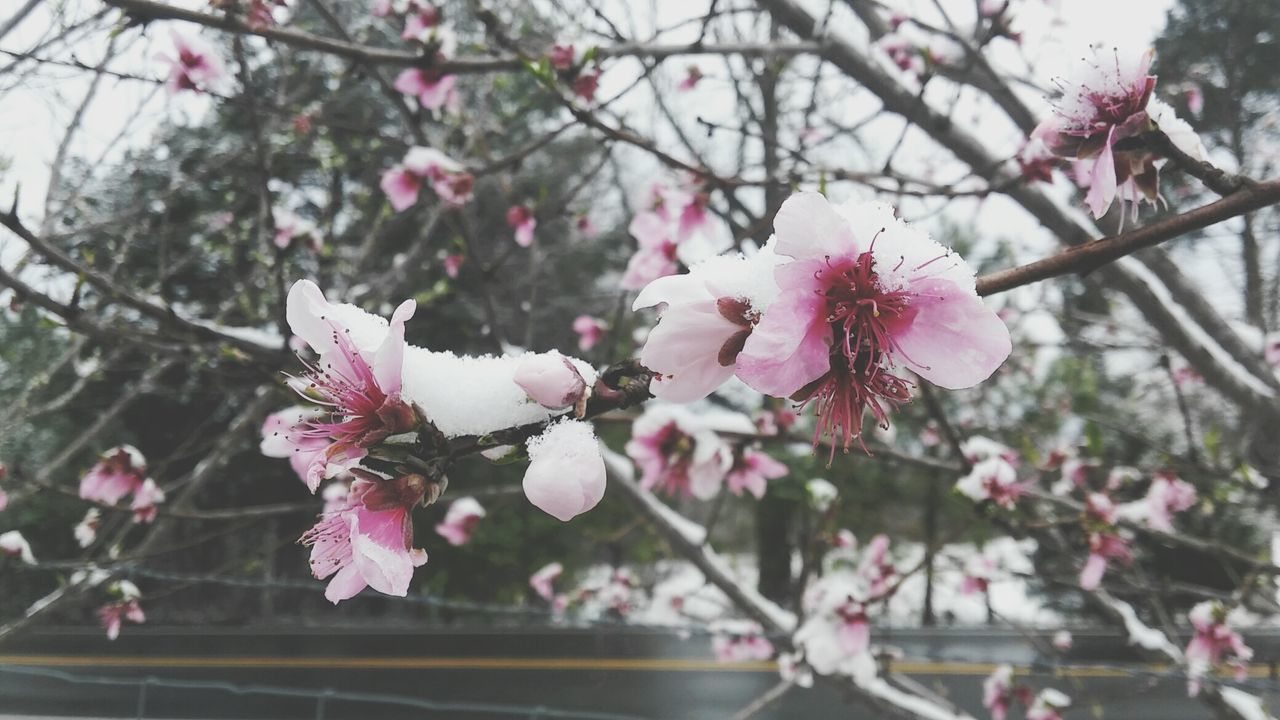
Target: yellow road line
568, 663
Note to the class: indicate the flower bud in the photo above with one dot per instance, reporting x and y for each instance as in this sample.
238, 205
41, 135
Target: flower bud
550, 380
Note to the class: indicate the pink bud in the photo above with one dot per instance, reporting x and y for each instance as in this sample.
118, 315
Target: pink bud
550, 379
566, 474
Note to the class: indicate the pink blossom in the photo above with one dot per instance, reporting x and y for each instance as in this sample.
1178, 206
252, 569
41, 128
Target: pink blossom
590, 331
460, 521
419, 21
993, 479
550, 380
1103, 547
521, 219
118, 473
676, 456
1271, 352
1062, 641
194, 66
1214, 642
706, 317
368, 542
751, 471
453, 264
432, 90
997, 692
656, 253
691, 77
566, 474
1167, 495
864, 293
586, 84
127, 607
739, 641
836, 635
284, 435
86, 531
876, 567
978, 574
1036, 160
541, 581
1100, 509
694, 217
145, 499
844, 539
448, 178
289, 226
358, 387
586, 228
561, 57
13, 545
903, 53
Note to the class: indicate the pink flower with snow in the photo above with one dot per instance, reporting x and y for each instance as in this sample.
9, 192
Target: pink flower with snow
844, 539
876, 568
1036, 160
1062, 641
284, 435
997, 692
290, 226
368, 542
550, 380
993, 479
113, 614
1214, 642
86, 531
694, 217
692, 76
119, 472
145, 499
432, 90
451, 182
836, 635
903, 53
1166, 496
521, 219
541, 581
460, 521
978, 574
864, 293
358, 387
566, 474
676, 456
590, 331
706, 318
13, 545
420, 19
751, 471
739, 641
194, 65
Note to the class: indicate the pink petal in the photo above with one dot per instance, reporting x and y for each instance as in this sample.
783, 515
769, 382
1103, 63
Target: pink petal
684, 348
345, 585
524, 233
1102, 180
790, 348
401, 188
412, 82
389, 359
953, 339
649, 230
807, 226
1094, 568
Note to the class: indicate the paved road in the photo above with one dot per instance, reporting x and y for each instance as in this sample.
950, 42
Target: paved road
514, 673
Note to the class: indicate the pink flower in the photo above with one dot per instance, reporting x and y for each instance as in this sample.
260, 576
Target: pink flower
561, 57
448, 178
993, 479
118, 473
693, 216
112, 615
676, 456
550, 379
290, 226
13, 545
1099, 509
903, 53
836, 635
1168, 495
845, 540
541, 581
284, 435
691, 78
997, 692
453, 264
864, 293
145, 499
432, 90
656, 254
739, 641
590, 331
978, 574
1214, 642
586, 228
706, 317
521, 219
460, 521
1103, 547
751, 471
586, 84
566, 475
1036, 159
419, 21
194, 66
1270, 353
1062, 641
876, 568
86, 531
359, 388
368, 542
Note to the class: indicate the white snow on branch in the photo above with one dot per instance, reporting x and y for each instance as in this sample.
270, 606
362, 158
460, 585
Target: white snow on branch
1247, 706
1140, 634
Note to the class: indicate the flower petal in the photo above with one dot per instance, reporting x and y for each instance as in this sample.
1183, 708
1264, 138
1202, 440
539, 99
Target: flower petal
790, 348
809, 227
953, 339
